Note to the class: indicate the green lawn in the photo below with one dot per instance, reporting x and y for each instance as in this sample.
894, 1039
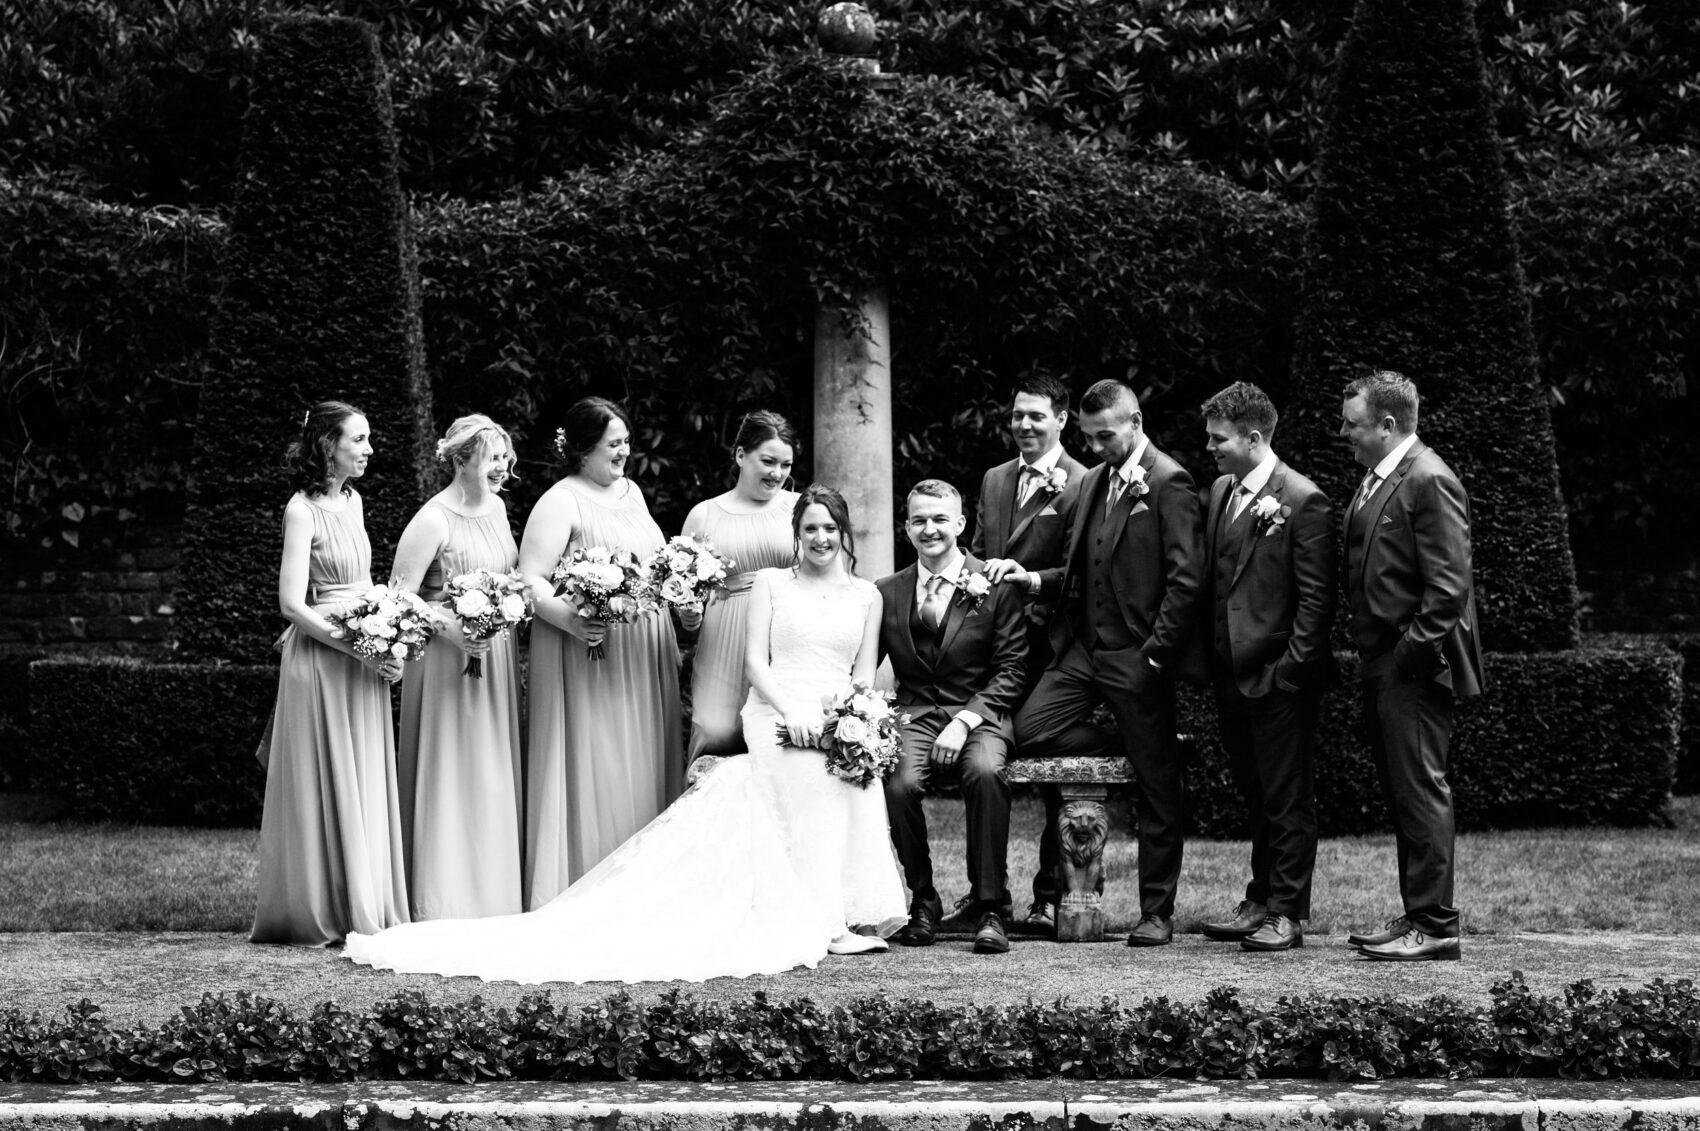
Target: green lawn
67, 877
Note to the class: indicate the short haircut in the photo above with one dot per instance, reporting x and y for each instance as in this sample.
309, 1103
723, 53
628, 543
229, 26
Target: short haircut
1106, 394
1042, 385
932, 489
1245, 406
1387, 393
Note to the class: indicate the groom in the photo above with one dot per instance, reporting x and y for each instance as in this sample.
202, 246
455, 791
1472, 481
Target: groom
958, 647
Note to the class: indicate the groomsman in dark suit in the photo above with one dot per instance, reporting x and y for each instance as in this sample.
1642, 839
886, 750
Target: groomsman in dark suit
1413, 610
958, 648
1127, 588
1269, 598
1021, 522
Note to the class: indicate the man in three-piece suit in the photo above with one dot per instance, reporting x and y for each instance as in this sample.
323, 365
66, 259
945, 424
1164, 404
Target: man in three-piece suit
1413, 619
1268, 604
1127, 591
1021, 521
958, 649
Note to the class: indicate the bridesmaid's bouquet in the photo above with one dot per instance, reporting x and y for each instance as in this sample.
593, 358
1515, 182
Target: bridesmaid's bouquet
860, 735
487, 604
609, 585
386, 621
686, 571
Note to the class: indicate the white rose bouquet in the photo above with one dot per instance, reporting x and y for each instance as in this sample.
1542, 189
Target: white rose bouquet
386, 621
487, 604
860, 735
686, 571
609, 585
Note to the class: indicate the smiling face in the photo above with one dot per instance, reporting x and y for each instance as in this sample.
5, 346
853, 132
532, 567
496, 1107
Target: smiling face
933, 526
1370, 439
1113, 432
606, 462
353, 448
1236, 452
492, 462
1035, 425
763, 469
818, 537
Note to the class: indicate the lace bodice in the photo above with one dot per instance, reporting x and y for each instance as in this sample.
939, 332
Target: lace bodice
813, 637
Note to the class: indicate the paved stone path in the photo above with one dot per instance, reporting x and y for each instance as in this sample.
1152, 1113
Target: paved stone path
144, 977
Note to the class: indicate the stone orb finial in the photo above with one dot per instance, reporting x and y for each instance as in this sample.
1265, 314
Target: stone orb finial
847, 29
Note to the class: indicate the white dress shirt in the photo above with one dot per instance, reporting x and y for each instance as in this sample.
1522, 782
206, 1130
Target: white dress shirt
1027, 484
1254, 481
947, 588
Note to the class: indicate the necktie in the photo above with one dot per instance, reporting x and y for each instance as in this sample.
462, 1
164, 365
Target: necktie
1030, 477
932, 605
1117, 483
1241, 494
1371, 481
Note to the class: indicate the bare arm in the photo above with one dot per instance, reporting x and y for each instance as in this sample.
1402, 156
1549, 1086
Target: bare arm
420, 544
868, 655
802, 721
292, 581
547, 532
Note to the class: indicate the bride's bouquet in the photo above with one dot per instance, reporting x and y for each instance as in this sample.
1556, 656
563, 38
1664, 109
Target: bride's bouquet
609, 585
685, 571
860, 735
487, 604
387, 621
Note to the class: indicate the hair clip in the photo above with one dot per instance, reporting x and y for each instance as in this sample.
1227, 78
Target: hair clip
306, 416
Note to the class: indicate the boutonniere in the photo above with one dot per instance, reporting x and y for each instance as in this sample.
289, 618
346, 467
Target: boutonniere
1270, 514
1054, 481
1137, 487
972, 589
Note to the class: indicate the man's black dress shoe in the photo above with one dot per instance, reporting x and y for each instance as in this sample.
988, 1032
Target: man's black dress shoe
1041, 917
1152, 930
923, 925
990, 938
1392, 929
1279, 932
1247, 918
1415, 946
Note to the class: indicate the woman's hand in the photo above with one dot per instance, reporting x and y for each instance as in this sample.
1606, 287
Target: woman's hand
591, 630
803, 727
470, 645
388, 668
690, 617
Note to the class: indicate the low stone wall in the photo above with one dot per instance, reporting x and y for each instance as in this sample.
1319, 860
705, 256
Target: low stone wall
1052, 1105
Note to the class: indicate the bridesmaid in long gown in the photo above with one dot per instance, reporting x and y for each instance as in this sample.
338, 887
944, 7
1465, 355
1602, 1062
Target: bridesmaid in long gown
605, 754
458, 762
330, 833
751, 524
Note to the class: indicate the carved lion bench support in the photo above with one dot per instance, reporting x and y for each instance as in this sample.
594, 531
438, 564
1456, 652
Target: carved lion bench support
1082, 824
1083, 828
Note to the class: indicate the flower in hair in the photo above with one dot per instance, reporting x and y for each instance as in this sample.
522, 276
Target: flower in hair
442, 450
560, 441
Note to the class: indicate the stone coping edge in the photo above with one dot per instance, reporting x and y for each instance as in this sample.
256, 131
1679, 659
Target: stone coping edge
1271, 1105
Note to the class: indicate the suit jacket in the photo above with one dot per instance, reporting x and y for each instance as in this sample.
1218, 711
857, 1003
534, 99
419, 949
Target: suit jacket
981, 661
1033, 535
1412, 584
1279, 602
1157, 565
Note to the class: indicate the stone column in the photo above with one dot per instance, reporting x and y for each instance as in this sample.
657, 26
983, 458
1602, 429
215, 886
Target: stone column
852, 436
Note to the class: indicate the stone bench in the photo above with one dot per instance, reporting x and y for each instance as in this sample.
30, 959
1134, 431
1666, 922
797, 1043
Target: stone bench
1083, 828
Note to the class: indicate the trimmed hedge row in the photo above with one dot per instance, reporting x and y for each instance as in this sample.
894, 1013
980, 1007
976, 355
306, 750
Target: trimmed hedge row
1583, 737
321, 301
1410, 264
132, 740
1649, 1032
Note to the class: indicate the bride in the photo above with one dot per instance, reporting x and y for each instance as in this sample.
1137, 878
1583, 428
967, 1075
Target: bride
768, 863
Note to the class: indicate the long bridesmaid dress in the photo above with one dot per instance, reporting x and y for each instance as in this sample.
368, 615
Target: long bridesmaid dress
605, 753
758, 540
330, 835
458, 762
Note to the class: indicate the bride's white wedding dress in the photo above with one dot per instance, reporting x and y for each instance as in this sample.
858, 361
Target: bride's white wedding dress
754, 870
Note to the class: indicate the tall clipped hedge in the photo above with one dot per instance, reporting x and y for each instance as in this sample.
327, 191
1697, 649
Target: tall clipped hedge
1411, 265
321, 300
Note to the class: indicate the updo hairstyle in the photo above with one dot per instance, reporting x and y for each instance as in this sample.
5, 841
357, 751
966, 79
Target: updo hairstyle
582, 428
471, 438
